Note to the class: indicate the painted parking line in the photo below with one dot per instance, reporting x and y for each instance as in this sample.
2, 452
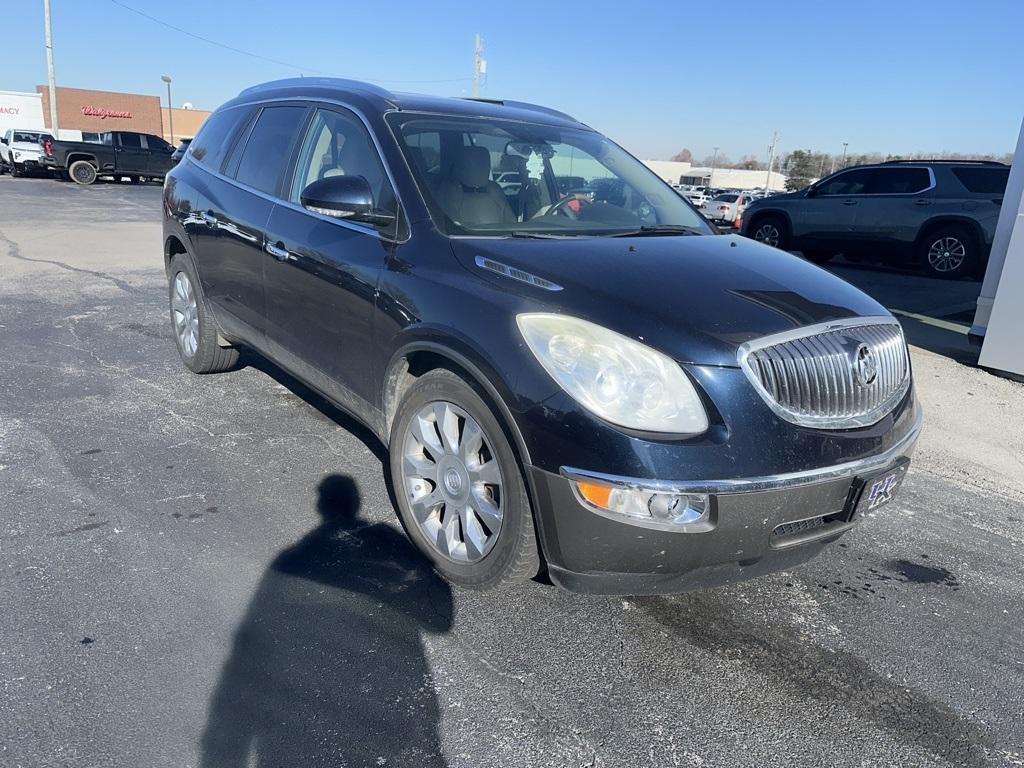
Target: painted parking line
933, 321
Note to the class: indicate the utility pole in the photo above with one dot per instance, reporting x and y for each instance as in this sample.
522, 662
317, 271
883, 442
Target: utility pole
170, 108
49, 68
821, 166
844, 153
479, 65
771, 159
714, 163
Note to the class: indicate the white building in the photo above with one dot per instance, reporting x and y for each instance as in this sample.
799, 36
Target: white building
20, 110
732, 178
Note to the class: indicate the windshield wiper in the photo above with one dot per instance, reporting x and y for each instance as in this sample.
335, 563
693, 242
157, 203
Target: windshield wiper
537, 236
659, 229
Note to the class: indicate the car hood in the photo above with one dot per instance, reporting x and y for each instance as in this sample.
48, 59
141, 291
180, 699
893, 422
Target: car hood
695, 298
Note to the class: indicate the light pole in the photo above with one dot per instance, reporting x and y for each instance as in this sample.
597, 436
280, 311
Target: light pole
843, 163
714, 163
49, 68
170, 111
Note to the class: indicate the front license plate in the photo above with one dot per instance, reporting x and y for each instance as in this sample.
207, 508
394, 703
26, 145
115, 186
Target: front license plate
875, 491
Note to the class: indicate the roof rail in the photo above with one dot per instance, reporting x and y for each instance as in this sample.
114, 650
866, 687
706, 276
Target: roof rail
523, 105
329, 82
948, 160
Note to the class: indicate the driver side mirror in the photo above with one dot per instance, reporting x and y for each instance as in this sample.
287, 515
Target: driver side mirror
344, 197
3, 140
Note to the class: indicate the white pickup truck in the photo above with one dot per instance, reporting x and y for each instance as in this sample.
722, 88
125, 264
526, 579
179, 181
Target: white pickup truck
20, 150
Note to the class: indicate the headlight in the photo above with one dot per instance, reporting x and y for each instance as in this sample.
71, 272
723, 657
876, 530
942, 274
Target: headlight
17, 155
614, 377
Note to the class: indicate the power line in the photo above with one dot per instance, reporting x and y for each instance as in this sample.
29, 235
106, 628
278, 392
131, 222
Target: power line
252, 55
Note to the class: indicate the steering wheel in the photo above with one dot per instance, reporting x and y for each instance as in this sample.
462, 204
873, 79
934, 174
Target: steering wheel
564, 208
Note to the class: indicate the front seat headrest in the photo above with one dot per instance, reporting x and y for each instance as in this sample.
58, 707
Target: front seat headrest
472, 167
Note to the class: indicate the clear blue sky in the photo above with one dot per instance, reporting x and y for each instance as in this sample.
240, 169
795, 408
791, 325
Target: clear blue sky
893, 76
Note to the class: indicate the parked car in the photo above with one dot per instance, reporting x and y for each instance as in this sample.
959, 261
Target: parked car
179, 151
938, 214
119, 153
20, 151
726, 208
609, 392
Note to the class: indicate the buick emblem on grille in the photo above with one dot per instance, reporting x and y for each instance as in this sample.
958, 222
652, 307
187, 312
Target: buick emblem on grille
865, 366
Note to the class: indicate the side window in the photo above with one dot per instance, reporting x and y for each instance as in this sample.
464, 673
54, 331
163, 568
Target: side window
130, 140
846, 183
898, 181
155, 142
210, 145
338, 144
265, 155
981, 180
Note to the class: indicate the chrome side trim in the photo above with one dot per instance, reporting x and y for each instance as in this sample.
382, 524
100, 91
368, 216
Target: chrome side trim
846, 470
516, 274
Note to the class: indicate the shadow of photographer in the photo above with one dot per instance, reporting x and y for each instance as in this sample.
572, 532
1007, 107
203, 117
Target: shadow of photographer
328, 666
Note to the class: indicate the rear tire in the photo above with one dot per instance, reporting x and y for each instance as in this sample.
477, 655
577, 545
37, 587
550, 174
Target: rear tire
83, 172
195, 331
448, 480
770, 230
950, 252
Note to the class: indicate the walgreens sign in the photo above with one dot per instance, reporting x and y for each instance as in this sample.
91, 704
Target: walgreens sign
103, 113
4, 110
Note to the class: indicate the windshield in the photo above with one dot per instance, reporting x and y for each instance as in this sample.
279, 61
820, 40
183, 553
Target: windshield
493, 177
31, 138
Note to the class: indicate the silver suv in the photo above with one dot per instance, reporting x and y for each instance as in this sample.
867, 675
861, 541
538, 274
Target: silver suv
940, 214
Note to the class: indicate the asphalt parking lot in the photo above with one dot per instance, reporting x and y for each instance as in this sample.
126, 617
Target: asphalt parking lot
207, 571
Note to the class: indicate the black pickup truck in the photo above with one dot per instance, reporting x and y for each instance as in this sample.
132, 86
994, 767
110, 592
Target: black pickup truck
117, 153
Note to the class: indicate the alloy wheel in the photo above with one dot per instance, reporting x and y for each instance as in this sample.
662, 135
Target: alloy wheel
947, 254
185, 314
453, 481
768, 234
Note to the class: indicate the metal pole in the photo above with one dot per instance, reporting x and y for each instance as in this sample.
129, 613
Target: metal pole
714, 163
771, 159
170, 108
844, 153
52, 81
477, 58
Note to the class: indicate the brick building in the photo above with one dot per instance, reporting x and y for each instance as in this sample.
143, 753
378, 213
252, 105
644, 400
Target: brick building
91, 112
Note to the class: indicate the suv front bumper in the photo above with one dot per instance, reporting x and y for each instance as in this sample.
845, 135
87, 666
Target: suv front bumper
604, 553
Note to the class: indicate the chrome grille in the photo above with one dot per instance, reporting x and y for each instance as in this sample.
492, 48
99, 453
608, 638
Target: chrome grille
820, 376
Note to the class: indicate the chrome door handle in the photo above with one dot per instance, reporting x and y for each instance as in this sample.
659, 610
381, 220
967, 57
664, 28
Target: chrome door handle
922, 202
849, 202
279, 253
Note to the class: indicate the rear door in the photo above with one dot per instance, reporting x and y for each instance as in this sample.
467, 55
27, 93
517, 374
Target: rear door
131, 155
828, 213
321, 273
159, 161
895, 202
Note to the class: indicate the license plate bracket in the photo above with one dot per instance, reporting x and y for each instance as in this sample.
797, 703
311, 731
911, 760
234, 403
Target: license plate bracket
874, 491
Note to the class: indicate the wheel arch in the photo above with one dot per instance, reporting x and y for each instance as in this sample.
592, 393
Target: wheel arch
174, 246
417, 357
74, 157
944, 220
761, 214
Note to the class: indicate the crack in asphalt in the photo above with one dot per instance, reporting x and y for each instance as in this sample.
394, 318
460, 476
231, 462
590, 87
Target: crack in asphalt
14, 251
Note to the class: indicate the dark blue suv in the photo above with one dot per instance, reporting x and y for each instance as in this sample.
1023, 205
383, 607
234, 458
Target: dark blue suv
581, 379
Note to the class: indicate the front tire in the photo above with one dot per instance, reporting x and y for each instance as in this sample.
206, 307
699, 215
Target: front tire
16, 172
949, 252
83, 172
459, 487
771, 230
195, 331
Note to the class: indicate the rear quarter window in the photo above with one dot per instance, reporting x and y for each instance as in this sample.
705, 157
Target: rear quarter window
214, 140
988, 181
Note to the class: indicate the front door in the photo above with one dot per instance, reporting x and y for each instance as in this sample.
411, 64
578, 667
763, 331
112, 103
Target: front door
159, 161
321, 274
829, 213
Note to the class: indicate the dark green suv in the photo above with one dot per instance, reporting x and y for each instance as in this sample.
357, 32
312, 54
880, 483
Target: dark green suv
940, 214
